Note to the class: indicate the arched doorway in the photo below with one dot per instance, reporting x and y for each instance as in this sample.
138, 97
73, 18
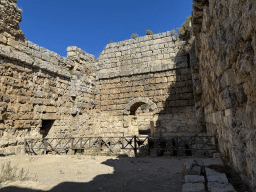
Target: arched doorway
139, 116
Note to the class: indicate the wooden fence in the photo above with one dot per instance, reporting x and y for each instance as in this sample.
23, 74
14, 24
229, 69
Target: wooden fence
176, 145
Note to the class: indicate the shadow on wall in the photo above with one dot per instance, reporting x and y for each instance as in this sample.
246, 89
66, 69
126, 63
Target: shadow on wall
177, 115
130, 174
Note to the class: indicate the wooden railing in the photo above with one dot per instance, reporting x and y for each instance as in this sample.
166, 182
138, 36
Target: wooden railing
176, 145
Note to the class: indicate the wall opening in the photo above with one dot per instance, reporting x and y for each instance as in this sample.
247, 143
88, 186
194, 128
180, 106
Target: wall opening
144, 132
188, 59
134, 107
141, 116
46, 126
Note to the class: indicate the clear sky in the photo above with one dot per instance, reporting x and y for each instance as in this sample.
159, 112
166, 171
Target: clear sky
90, 25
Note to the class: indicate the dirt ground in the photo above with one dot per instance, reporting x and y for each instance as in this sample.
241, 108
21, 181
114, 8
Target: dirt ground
100, 173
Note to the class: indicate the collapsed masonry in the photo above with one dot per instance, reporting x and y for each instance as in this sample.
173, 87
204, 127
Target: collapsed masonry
147, 85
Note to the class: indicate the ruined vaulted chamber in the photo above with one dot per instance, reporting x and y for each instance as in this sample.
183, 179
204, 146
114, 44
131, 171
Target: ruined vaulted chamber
147, 85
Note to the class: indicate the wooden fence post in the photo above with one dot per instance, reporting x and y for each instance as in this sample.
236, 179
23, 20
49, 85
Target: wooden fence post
122, 140
72, 146
99, 139
44, 143
25, 146
148, 146
178, 151
135, 146
81, 143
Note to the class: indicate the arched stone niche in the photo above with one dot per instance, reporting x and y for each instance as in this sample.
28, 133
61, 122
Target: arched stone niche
135, 103
130, 119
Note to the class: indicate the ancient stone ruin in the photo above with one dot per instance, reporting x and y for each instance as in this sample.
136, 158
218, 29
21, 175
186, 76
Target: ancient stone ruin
149, 85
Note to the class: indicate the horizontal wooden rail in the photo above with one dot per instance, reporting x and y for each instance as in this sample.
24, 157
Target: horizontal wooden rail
177, 144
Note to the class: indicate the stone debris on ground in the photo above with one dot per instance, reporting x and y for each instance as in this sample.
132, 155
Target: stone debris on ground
205, 179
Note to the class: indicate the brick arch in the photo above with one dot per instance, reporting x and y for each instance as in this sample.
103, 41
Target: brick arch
135, 103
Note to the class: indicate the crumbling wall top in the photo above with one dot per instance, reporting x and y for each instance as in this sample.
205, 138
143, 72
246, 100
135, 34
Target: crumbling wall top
10, 17
74, 51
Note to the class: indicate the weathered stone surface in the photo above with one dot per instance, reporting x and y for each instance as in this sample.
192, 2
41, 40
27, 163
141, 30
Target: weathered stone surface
221, 178
225, 51
1, 151
196, 170
212, 172
135, 82
220, 187
194, 179
190, 164
214, 161
193, 187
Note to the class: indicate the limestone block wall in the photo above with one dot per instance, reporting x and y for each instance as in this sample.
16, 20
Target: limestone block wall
151, 70
225, 48
10, 17
41, 93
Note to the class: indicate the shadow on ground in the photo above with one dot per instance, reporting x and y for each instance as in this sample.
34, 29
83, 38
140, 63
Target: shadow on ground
130, 175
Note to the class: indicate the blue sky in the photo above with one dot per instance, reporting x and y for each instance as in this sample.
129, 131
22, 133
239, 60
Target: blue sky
90, 25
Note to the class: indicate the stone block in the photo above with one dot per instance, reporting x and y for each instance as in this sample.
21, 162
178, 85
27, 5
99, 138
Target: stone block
214, 161
1, 151
13, 43
190, 164
14, 55
220, 187
10, 150
4, 51
211, 172
3, 39
49, 116
216, 155
196, 170
126, 123
194, 179
218, 178
193, 187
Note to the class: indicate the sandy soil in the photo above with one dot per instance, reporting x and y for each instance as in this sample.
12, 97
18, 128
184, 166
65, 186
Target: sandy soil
100, 173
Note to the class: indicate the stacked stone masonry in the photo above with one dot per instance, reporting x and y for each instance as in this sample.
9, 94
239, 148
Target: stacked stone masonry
136, 85
41, 93
152, 70
146, 85
225, 36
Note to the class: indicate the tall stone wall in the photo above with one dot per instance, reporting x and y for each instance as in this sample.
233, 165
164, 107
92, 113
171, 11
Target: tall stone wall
225, 48
137, 86
41, 93
152, 70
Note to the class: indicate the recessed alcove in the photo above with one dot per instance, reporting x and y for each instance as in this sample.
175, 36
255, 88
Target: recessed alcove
46, 127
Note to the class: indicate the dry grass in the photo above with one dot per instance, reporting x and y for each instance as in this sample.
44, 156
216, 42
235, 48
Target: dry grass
9, 173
